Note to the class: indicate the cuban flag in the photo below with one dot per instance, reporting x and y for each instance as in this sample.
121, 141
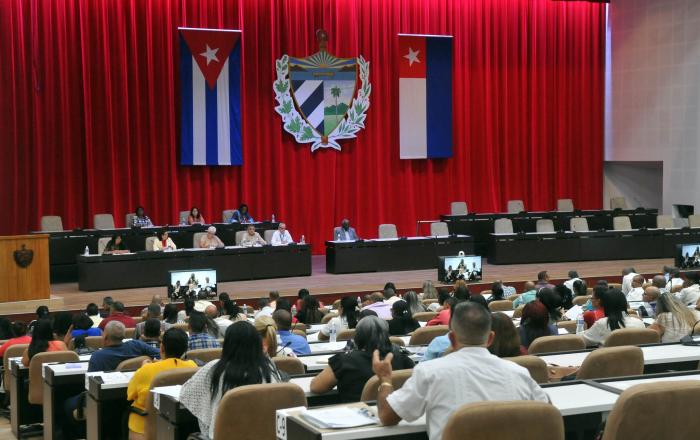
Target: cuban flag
210, 77
425, 96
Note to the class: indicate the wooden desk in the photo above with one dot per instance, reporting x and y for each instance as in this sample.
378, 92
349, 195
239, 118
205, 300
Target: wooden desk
24, 268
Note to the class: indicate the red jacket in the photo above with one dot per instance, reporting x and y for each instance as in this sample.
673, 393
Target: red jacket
26, 339
127, 320
442, 318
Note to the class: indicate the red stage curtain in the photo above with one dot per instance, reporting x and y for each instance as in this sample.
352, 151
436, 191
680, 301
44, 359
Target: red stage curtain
89, 112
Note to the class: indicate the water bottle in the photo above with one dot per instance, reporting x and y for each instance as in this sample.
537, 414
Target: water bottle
338, 238
87, 251
334, 333
245, 309
272, 219
580, 324
303, 240
294, 310
359, 302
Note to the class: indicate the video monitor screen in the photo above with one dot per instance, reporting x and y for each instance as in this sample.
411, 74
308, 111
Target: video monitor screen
466, 267
194, 283
688, 256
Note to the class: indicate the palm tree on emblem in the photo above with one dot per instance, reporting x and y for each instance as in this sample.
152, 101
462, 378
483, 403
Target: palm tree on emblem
335, 92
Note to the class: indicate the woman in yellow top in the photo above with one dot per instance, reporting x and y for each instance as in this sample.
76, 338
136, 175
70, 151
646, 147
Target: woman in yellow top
164, 242
172, 347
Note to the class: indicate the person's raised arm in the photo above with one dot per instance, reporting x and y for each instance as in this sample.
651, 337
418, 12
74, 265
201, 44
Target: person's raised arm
382, 368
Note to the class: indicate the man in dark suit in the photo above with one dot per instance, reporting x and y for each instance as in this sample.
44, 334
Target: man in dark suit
344, 232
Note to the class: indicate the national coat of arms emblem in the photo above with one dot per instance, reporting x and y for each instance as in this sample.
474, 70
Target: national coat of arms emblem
319, 98
23, 257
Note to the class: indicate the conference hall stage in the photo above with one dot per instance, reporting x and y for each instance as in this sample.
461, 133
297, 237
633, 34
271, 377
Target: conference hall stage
67, 296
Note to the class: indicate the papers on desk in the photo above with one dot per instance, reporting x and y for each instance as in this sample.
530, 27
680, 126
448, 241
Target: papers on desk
573, 312
327, 346
340, 417
563, 331
172, 391
66, 369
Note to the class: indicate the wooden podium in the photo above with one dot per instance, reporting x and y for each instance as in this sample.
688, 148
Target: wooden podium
24, 268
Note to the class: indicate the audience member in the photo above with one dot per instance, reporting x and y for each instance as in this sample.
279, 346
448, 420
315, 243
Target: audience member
469, 374
382, 308
297, 343
346, 319
309, 312
428, 291
232, 312
267, 329
42, 312
462, 292
496, 293
596, 311
303, 293
614, 306
479, 299
443, 316
390, 296
199, 336
62, 322
637, 291
673, 320
543, 281
174, 345
508, 291
529, 294
115, 350
264, 308
650, 297
674, 280
151, 333
506, 340
566, 296
152, 312
690, 294
183, 314
19, 330
535, 323
402, 322
659, 281
94, 313
552, 301
628, 274
243, 362
107, 302
573, 277
82, 326
42, 341
117, 314
170, 314
580, 288
5, 328
414, 304
442, 296
350, 371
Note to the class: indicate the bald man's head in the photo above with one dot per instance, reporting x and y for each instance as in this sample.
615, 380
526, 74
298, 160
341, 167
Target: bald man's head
470, 323
211, 311
637, 281
528, 286
651, 293
659, 281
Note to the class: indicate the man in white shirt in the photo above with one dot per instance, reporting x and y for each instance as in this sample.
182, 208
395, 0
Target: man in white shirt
636, 293
281, 237
573, 277
674, 281
469, 374
627, 274
691, 294
252, 238
391, 296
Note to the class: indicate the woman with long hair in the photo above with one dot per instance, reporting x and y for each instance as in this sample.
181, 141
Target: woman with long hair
614, 305
170, 313
402, 322
346, 319
195, 217
182, 315
535, 323
43, 340
429, 290
243, 362
552, 301
351, 370
506, 342
309, 312
267, 329
164, 242
673, 319
414, 304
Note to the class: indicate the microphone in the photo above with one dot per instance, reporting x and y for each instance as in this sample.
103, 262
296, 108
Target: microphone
283, 347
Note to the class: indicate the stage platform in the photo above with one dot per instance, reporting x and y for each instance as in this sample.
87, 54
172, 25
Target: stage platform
68, 297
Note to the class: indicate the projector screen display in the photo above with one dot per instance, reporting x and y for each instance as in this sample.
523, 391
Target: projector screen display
195, 283
467, 268
689, 256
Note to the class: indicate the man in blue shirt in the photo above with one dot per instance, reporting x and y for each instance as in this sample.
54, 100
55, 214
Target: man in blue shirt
115, 351
298, 344
529, 295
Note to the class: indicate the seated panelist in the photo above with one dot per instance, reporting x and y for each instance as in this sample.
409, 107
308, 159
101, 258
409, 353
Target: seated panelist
252, 238
195, 217
141, 220
164, 242
210, 240
116, 246
242, 215
281, 237
344, 232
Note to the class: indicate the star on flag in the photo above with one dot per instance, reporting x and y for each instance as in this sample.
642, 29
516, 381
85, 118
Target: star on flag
412, 56
210, 54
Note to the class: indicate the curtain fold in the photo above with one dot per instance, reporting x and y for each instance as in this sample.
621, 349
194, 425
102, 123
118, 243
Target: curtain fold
89, 105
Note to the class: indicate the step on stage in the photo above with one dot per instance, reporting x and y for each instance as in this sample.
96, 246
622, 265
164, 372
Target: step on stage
320, 283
